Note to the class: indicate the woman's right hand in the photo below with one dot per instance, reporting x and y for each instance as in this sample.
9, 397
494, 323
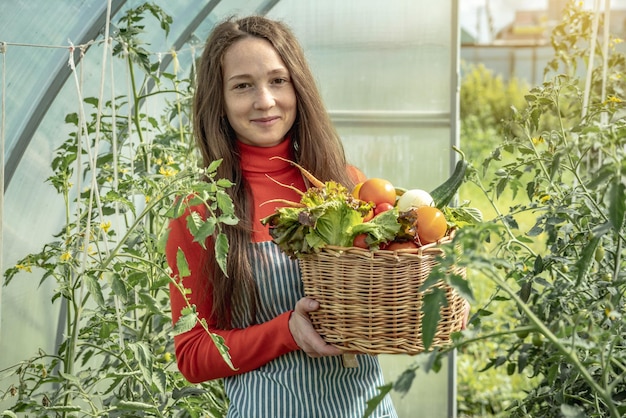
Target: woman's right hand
305, 335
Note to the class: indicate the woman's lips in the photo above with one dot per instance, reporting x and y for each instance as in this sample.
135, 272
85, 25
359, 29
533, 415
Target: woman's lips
265, 121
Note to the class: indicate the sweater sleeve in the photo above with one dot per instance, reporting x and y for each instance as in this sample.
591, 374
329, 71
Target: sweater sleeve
197, 356
356, 175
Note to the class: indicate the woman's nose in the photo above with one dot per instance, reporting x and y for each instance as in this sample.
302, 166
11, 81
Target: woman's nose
264, 99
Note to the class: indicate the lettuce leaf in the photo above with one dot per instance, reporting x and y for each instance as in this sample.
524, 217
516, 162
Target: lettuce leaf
327, 216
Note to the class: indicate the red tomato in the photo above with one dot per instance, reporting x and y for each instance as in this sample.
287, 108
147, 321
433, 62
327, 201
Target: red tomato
382, 207
359, 241
378, 191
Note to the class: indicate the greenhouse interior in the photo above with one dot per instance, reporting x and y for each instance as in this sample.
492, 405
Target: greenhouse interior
510, 118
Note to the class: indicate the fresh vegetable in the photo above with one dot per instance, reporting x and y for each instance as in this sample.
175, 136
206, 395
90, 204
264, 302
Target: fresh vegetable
445, 192
382, 207
374, 215
327, 214
414, 198
378, 191
424, 225
431, 224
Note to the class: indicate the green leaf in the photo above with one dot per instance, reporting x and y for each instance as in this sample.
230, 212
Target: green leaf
617, 204
224, 202
72, 118
538, 265
94, 289
186, 321
220, 343
381, 228
149, 302
462, 286
159, 380
373, 403
432, 303
181, 264
144, 358
134, 406
162, 241
224, 183
587, 258
205, 229
194, 223
221, 252
405, 381
114, 197
334, 219
118, 287
212, 168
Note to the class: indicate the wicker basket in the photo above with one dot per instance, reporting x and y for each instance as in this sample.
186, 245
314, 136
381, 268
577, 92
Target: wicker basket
369, 301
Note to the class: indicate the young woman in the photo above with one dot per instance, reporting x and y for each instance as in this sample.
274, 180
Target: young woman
256, 98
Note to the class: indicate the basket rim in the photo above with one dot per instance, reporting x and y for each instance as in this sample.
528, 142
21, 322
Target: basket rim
424, 250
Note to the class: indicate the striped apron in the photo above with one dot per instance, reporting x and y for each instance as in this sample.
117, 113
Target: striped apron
295, 385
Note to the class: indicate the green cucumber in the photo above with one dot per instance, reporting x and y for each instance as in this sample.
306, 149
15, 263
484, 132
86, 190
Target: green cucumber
445, 192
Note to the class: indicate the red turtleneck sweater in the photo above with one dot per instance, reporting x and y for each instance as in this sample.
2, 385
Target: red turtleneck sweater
198, 358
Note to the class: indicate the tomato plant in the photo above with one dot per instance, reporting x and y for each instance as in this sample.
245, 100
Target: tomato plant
115, 353
554, 249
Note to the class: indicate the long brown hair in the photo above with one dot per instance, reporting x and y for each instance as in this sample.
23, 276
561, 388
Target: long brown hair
317, 146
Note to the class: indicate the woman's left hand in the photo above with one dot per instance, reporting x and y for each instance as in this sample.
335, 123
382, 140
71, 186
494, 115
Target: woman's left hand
305, 335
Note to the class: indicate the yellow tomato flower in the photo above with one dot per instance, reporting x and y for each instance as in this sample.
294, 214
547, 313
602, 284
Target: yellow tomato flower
105, 226
537, 140
167, 171
66, 256
24, 267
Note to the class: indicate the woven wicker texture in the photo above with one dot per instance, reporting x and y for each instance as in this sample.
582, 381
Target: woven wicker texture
370, 301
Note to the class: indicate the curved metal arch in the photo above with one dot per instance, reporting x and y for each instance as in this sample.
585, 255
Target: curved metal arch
63, 72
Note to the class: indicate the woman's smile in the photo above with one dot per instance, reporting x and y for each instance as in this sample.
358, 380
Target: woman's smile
260, 100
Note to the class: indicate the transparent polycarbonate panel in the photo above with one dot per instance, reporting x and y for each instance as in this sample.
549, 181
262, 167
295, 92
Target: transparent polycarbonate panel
368, 56
37, 35
387, 72
412, 157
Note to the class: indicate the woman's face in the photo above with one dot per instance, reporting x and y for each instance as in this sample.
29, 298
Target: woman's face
259, 96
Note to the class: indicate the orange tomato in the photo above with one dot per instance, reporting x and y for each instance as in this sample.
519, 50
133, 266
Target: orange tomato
378, 191
431, 224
